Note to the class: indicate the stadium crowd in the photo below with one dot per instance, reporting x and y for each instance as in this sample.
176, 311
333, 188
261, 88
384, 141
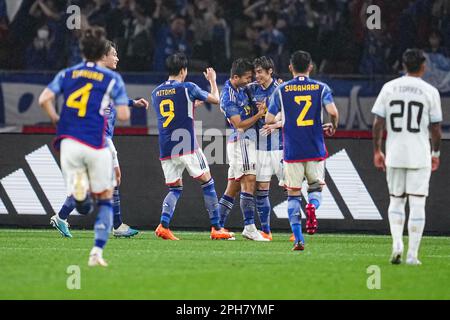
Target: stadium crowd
213, 32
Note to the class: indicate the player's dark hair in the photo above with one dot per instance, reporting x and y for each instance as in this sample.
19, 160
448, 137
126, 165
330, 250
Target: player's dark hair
109, 46
175, 63
93, 43
300, 61
413, 59
265, 63
240, 67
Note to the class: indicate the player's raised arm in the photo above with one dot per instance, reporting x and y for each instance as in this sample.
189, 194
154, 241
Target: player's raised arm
210, 75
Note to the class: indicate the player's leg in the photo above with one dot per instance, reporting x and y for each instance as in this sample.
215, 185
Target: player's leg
226, 203
396, 179
245, 170
59, 221
198, 168
173, 171
102, 182
120, 229
264, 172
315, 174
417, 182
294, 173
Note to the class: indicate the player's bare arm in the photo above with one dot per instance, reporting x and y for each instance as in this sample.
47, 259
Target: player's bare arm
330, 128
240, 124
210, 75
141, 103
377, 132
123, 112
47, 102
435, 129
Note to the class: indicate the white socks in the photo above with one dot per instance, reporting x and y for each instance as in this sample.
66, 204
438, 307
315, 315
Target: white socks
396, 213
416, 224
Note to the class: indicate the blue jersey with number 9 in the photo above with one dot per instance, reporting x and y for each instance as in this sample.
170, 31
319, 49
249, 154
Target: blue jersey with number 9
88, 90
300, 101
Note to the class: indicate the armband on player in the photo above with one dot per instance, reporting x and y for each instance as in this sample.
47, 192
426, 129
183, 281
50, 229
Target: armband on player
436, 154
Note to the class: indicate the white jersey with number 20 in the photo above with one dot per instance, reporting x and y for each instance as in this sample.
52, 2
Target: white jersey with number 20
409, 105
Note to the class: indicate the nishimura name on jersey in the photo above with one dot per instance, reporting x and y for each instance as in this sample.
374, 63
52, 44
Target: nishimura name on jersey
92, 75
166, 92
301, 87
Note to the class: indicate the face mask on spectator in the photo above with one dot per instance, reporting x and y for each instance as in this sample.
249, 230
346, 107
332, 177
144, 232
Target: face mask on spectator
43, 34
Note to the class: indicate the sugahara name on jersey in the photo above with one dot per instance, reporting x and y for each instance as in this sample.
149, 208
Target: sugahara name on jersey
301, 87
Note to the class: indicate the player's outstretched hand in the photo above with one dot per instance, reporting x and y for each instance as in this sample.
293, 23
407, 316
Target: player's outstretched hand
210, 74
141, 103
379, 161
329, 129
435, 163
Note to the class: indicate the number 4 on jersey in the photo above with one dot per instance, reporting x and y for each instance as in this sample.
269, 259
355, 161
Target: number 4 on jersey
79, 99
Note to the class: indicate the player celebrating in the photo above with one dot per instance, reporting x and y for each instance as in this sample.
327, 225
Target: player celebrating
120, 229
300, 102
412, 107
86, 159
241, 147
173, 102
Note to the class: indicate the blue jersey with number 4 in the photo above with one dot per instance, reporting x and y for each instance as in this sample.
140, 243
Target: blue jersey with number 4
173, 102
88, 90
300, 101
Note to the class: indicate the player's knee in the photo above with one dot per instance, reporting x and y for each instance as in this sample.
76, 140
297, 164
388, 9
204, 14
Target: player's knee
417, 207
315, 187
86, 206
397, 204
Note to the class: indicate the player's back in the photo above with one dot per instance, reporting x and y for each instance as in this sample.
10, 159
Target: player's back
174, 106
409, 105
301, 106
87, 90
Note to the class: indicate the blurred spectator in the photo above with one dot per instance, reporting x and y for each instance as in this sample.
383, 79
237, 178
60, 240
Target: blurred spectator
99, 15
435, 44
39, 54
376, 53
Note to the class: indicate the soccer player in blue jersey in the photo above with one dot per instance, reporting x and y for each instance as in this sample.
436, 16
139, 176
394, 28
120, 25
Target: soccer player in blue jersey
174, 101
86, 159
241, 147
120, 229
300, 102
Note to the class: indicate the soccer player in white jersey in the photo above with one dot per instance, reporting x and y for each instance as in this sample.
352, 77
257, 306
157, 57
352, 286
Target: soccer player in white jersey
410, 109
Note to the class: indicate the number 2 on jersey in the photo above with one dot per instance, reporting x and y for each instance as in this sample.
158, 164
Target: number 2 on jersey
79, 99
301, 122
167, 114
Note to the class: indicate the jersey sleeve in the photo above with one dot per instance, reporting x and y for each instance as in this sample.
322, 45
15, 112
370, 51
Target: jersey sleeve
327, 95
195, 92
228, 105
57, 83
118, 93
379, 108
275, 102
436, 110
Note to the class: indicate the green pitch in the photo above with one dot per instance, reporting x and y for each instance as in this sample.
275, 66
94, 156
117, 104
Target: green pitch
34, 264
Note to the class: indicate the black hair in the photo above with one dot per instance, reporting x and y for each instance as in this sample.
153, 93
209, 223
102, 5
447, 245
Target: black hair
175, 63
413, 59
109, 45
93, 43
300, 61
240, 67
265, 63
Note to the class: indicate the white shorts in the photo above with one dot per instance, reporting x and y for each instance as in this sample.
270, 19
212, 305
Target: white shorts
242, 158
269, 163
402, 181
295, 172
195, 163
98, 163
114, 153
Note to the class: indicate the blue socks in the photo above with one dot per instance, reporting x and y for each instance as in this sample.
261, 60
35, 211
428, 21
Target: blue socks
116, 208
169, 205
103, 223
225, 205
263, 208
295, 217
211, 203
248, 208
315, 198
67, 208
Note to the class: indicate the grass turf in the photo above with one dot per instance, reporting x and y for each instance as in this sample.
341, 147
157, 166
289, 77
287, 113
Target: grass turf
33, 265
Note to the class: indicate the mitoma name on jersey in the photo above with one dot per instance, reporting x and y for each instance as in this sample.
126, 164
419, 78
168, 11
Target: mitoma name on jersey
166, 92
301, 87
92, 75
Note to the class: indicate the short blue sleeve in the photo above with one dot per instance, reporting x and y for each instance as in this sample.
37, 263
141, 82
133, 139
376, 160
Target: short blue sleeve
195, 92
274, 102
327, 96
118, 93
56, 85
228, 105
